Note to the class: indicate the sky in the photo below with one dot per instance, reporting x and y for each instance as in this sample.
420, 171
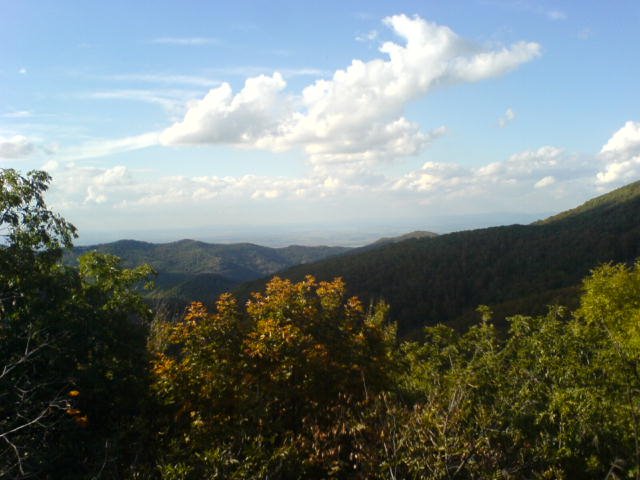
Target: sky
318, 121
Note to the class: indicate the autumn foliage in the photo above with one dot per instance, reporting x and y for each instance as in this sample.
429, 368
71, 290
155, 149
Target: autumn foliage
276, 388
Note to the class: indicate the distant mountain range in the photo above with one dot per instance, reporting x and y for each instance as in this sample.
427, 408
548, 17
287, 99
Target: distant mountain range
190, 270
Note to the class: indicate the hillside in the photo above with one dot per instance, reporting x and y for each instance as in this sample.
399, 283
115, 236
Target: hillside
443, 279
602, 203
400, 238
192, 270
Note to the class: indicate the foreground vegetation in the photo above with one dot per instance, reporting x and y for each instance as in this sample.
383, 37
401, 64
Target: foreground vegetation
300, 382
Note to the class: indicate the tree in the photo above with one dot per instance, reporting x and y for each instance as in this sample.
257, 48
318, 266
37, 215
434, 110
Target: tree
278, 390
557, 398
33, 241
72, 344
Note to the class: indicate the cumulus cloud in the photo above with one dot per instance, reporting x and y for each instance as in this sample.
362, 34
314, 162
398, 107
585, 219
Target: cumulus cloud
624, 141
621, 156
433, 176
544, 169
519, 173
528, 164
75, 185
120, 187
15, 147
357, 115
221, 117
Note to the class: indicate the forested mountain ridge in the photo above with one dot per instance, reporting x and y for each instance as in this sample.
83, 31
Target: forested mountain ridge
191, 270
236, 261
440, 279
400, 238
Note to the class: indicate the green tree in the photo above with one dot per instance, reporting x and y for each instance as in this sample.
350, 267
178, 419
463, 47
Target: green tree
557, 398
31, 281
72, 346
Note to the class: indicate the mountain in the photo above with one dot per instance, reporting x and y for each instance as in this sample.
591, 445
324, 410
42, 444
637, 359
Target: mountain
516, 268
192, 270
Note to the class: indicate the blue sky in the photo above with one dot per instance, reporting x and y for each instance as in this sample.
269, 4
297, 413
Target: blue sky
207, 118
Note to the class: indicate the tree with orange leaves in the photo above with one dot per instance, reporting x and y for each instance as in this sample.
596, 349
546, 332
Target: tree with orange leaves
275, 389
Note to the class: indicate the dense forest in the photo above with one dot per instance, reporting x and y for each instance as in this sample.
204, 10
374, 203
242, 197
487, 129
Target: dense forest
306, 381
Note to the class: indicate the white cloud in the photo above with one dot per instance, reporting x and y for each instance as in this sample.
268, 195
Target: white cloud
619, 171
50, 166
268, 194
541, 168
222, 117
440, 177
94, 196
119, 187
22, 71
508, 116
186, 41
621, 156
528, 164
15, 147
357, 115
624, 141
76, 186
101, 182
